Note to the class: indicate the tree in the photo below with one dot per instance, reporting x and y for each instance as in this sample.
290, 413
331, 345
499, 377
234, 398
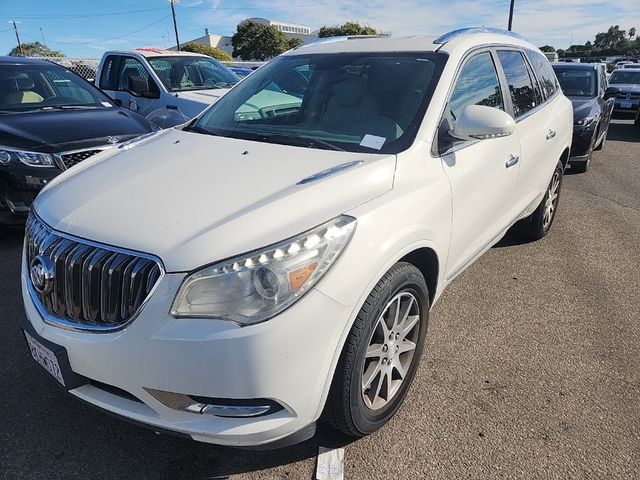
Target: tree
35, 49
348, 28
632, 33
547, 48
295, 42
614, 38
208, 50
255, 41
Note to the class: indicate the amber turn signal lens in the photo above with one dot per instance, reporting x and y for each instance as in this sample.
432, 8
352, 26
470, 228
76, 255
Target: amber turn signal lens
300, 275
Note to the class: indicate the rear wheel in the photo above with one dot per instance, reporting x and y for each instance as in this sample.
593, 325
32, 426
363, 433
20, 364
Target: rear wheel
536, 225
381, 354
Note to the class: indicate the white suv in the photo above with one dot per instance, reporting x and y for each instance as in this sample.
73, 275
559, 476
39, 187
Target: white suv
274, 261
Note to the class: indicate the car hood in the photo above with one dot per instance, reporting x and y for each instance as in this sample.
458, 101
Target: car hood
61, 130
206, 97
627, 87
193, 199
582, 106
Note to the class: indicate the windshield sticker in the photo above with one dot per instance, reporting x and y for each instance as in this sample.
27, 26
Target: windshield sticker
106, 104
372, 141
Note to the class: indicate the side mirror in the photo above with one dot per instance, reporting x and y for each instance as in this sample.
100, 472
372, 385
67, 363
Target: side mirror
478, 122
611, 92
139, 85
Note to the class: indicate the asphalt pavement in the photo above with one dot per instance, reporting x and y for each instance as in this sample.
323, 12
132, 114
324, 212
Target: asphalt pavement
531, 369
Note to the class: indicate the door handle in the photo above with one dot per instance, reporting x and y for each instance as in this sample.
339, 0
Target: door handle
551, 134
513, 159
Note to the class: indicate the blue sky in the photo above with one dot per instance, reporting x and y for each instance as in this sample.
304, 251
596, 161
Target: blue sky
87, 28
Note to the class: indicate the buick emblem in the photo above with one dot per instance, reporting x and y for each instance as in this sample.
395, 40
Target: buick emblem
112, 140
41, 273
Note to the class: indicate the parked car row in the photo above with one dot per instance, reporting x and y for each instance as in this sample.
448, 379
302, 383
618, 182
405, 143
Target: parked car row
273, 261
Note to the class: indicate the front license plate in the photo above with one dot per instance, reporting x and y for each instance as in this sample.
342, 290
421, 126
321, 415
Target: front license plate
45, 357
626, 104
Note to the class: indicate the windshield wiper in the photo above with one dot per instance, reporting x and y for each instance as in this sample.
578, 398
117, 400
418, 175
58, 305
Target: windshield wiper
298, 140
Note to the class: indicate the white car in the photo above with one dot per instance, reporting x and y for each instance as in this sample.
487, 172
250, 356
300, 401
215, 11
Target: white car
166, 86
240, 278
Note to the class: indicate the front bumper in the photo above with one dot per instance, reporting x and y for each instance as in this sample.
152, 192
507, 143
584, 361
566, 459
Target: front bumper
19, 186
288, 359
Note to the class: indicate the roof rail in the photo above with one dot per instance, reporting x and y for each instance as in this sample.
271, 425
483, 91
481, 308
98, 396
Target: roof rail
340, 38
461, 32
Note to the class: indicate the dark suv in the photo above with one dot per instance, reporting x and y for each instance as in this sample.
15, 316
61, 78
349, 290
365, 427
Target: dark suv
51, 119
585, 85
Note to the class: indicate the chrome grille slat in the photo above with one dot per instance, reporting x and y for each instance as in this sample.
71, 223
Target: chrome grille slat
69, 159
95, 287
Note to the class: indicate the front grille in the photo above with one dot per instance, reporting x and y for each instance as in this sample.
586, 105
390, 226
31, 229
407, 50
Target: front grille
73, 158
93, 287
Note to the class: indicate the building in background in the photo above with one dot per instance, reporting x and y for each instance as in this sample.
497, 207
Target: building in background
291, 30
223, 42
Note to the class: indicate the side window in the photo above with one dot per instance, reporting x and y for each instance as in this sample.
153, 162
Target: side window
108, 77
545, 73
131, 70
477, 84
519, 81
539, 98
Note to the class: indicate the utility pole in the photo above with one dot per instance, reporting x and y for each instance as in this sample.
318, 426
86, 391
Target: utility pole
511, 14
175, 25
15, 28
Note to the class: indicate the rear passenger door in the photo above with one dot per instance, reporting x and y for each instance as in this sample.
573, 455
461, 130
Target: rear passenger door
531, 96
483, 173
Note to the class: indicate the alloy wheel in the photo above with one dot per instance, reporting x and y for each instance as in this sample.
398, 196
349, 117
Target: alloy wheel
391, 350
552, 201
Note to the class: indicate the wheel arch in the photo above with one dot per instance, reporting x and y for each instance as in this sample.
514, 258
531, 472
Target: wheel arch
425, 259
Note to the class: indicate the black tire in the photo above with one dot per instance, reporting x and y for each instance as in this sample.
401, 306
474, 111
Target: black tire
345, 408
534, 227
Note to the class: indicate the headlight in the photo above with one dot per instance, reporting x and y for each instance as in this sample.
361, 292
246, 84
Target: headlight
254, 287
586, 121
32, 159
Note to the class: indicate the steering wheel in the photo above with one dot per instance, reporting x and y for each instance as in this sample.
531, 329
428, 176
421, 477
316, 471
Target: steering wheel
60, 101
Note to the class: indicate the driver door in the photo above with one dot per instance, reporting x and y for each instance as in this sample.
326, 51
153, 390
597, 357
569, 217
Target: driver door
126, 79
484, 173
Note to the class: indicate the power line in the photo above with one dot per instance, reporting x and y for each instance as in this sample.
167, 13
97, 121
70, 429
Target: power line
107, 39
83, 15
282, 7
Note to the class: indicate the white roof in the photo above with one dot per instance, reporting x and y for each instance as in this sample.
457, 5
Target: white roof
407, 44
158, 52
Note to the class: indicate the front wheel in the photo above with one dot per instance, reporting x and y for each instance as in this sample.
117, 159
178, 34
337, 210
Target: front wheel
537, 225
381, 354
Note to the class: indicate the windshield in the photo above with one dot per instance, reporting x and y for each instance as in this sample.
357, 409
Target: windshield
39, 87
358, 102
577, 82
182, 73
627, 76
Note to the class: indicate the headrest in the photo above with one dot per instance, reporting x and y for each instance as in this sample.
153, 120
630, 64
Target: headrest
24, 83
349, 92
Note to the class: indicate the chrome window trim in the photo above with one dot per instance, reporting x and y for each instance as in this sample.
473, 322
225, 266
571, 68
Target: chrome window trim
84, 328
